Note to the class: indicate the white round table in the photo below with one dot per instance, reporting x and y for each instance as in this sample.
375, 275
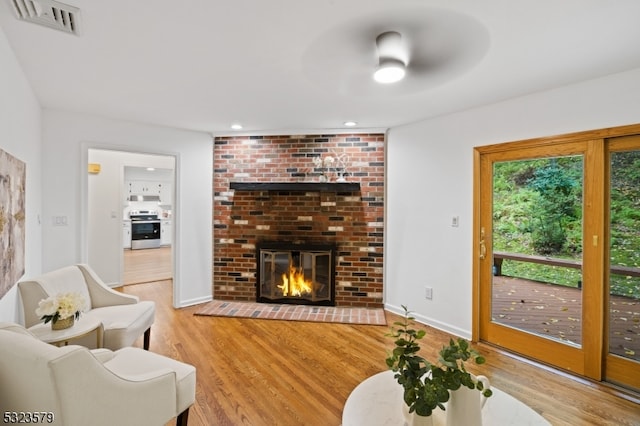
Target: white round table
378, 402
81, 327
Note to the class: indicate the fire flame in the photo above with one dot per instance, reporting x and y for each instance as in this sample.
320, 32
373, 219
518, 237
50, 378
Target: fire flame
294, 284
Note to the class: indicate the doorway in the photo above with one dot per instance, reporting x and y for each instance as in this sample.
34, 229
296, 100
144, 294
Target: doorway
148, 221
110, 187
557, 270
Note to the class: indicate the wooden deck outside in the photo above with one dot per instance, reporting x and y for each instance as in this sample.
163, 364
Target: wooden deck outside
555, 311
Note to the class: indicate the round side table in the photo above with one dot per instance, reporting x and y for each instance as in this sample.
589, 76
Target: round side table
82, 327
377, 401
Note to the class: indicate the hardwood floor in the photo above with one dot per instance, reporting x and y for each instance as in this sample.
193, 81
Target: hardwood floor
269, 372
147, 265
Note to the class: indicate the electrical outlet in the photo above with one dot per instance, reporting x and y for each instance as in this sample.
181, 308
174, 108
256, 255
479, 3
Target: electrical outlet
428, 293
59, 220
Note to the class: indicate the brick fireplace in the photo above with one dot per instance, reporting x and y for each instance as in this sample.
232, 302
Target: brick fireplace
268, 190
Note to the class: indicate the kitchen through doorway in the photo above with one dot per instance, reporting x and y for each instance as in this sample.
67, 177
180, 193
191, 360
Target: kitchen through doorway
147, 224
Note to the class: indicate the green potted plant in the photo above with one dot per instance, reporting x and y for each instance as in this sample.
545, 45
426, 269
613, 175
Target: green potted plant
428, 385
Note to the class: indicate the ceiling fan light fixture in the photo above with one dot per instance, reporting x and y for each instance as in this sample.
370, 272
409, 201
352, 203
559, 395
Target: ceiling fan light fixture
392, 67
389, 71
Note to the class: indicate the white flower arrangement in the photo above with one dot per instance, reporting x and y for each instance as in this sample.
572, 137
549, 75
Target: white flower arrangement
331, 164
325, 162
61, 306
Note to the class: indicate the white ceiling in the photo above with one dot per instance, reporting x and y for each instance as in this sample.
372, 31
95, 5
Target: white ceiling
304, 65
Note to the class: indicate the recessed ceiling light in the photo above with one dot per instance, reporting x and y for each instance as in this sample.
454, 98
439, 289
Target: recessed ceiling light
150, 169
350, 123
236, 126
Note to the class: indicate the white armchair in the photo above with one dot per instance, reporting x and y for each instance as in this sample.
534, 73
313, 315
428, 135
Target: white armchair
75, 386
124, 317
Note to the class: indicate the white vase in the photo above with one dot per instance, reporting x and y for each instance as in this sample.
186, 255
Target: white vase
465, 405
412, 419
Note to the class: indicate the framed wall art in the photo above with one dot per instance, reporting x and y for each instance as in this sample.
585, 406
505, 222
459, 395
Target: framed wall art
12, 220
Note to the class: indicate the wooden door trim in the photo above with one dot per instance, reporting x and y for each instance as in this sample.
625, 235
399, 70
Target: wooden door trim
554, 352
475, 259
594, 238
538, 348
548, 141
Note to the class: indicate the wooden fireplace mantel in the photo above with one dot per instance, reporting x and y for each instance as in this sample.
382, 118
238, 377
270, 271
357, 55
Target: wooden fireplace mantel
296, 186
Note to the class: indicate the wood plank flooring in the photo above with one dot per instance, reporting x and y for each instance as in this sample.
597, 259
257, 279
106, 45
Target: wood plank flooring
270, 372
147, 265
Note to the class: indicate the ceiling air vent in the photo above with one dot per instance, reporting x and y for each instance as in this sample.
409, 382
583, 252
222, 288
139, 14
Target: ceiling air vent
49, 13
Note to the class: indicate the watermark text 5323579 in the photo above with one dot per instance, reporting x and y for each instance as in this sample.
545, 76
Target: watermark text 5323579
24, 417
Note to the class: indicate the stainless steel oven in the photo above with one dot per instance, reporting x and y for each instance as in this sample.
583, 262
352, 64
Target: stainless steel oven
145, 229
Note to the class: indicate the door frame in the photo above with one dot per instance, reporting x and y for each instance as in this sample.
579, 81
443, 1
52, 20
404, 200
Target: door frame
84, 206
589, 362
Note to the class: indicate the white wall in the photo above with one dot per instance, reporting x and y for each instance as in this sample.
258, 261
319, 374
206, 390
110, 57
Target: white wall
66, 139
104, 216
20, 136
106, 206
429, 172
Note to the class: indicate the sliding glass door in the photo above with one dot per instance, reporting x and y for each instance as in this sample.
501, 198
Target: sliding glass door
557, 253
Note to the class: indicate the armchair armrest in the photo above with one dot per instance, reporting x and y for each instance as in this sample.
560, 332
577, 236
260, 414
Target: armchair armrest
16, 328
146, 376
101, 294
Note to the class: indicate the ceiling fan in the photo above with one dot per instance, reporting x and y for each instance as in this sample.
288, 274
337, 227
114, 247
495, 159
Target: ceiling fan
431, 45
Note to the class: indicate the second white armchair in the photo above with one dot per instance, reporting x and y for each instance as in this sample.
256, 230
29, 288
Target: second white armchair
124, 317
75, 386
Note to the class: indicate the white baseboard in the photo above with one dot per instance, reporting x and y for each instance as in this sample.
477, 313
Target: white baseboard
196, 301
448, 328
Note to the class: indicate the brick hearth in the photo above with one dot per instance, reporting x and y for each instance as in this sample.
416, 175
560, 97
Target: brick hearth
354, 220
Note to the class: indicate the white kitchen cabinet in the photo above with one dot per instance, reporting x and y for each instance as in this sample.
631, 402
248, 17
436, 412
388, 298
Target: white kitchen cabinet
140, 187
165, 232
126, 234
166, 193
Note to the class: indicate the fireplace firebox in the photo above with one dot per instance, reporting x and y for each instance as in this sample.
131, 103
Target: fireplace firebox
295, 273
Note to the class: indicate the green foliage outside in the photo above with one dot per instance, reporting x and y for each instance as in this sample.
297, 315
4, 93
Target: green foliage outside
537, 209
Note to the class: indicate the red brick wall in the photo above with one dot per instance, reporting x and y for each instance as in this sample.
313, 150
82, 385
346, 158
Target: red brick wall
352, 220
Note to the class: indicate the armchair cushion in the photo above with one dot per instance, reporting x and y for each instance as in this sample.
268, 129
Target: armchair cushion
123, 316
135, 364
123, 324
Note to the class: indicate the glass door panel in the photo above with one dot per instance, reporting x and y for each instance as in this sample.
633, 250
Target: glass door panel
623, 359
534, 297
537, 247
624, 268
